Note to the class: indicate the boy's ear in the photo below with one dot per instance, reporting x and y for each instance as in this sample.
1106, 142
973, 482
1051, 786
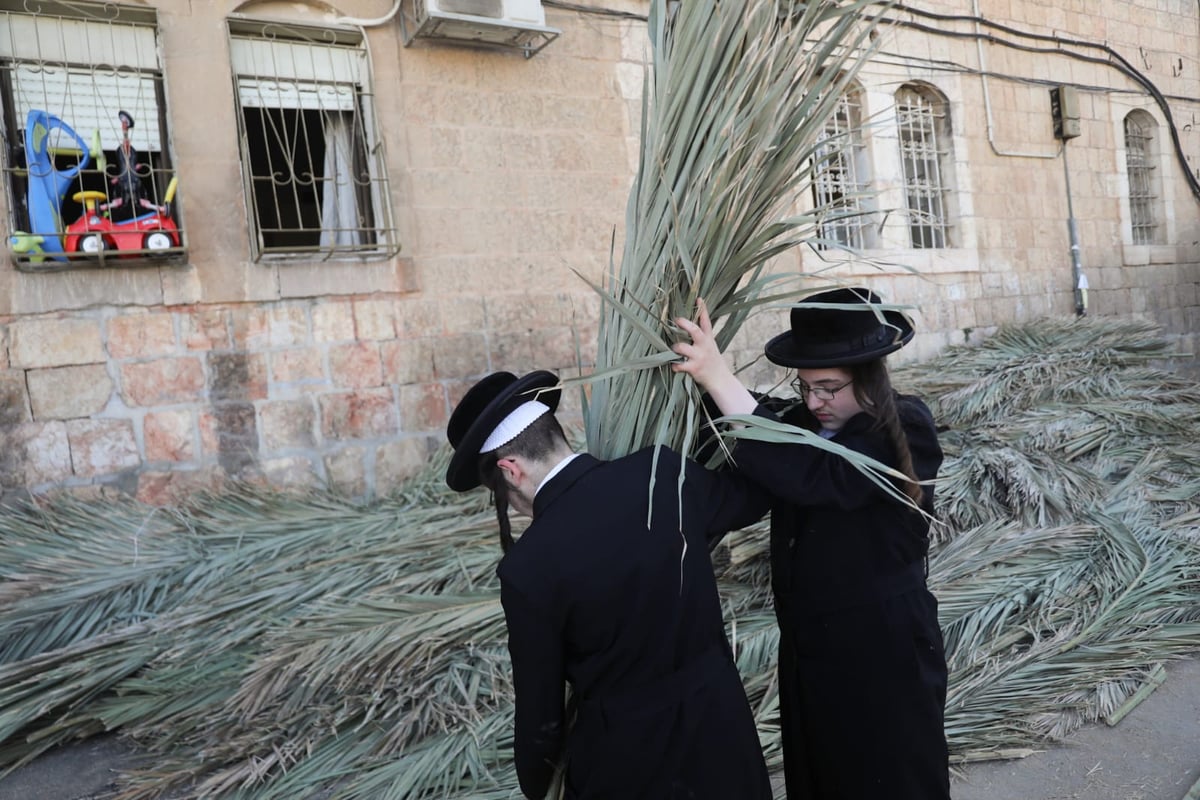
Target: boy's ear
510, 468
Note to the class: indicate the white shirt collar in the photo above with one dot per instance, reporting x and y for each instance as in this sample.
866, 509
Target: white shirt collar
557, 468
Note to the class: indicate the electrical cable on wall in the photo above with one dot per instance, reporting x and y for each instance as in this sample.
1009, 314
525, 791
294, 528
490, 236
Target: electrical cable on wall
372, 22
1114, 60
600, 12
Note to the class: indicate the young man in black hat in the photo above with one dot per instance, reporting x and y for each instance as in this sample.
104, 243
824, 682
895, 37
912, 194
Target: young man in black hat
611, 591
862, 671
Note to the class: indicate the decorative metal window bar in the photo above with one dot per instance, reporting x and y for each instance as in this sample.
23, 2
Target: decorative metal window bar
922, 125
85, 159
838, 188
1139, 139
312, 153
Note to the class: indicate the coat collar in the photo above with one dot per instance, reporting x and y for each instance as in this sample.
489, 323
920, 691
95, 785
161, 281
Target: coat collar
564, 480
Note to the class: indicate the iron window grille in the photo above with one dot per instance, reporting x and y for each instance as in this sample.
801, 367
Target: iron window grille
840, 178
86, 162
312, 153
924, 131
1139, 164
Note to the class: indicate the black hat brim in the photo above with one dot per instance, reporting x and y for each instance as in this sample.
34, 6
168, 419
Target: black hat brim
463, 472
785, 351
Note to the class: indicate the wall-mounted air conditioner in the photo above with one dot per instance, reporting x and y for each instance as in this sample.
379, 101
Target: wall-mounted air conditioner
515, 24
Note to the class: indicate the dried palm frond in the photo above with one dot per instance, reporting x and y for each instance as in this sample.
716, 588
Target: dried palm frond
733, 119
1026, 366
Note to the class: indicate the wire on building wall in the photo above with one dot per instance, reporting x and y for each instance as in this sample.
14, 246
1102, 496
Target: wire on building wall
373, 22
1114, 60
600, 12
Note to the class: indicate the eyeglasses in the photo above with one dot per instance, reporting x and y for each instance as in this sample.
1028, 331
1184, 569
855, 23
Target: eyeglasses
821, 392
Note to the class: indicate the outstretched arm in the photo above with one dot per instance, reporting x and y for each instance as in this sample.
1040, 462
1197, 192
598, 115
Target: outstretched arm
704, 362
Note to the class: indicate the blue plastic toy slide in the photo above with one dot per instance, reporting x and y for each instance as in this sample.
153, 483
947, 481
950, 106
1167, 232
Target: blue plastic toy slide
47, 185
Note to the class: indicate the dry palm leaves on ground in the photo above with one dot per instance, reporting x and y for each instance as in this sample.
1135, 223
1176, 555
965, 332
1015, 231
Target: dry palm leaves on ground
272, 646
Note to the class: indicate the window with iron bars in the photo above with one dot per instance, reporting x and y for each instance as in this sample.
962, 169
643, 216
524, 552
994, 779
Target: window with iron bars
85, 157
841, 179
312, 154
1139, 164
924, 135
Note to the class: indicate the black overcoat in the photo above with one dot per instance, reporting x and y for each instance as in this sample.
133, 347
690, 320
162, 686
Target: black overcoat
612, 594
862, 670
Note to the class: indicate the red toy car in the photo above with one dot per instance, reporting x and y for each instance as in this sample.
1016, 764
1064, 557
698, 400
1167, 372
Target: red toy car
93, 232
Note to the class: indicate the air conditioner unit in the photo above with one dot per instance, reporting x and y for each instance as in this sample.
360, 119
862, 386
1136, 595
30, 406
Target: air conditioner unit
515, 24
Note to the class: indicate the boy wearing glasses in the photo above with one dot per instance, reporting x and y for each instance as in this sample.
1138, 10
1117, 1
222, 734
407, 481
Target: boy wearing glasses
847, 558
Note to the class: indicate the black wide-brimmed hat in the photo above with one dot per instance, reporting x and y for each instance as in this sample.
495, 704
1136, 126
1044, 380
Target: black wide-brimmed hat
125, 117
848, 331
483, 407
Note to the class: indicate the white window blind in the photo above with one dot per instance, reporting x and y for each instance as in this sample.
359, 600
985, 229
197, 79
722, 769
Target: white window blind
46, 37
274, 73
89, 100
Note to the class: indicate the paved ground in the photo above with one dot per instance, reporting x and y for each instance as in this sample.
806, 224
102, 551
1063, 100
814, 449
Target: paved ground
1152, 754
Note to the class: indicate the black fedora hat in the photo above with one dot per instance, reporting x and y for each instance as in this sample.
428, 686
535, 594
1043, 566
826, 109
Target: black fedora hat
482, 408
848, 331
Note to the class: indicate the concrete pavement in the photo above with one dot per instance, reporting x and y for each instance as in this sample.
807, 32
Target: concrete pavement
1152, 754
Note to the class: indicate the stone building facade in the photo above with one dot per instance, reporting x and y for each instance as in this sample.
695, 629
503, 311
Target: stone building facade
367, 223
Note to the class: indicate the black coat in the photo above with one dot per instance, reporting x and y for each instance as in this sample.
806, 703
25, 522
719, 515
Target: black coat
628, 614
862, 670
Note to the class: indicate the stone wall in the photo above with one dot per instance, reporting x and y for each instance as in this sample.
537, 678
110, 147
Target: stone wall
348, 392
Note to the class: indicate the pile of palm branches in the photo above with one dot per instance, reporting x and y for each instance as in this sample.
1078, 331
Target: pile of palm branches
1069, 562
274, 646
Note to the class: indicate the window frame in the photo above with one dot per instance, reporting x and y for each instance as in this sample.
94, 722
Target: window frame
924, 136
46, 58
1144, 189
257, 44
842, 178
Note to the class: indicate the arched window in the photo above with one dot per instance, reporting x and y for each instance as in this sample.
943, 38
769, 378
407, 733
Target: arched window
841, 177
923, 119
1140, 152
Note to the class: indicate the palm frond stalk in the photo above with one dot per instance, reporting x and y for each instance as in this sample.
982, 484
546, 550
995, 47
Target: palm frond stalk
733, 119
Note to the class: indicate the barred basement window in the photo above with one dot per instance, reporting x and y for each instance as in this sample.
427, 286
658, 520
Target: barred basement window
1139, 164
85, 160
840, 178
924, 135
312, 154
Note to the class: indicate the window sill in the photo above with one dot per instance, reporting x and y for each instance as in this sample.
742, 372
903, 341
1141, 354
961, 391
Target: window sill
1134, 255
316, 257
62, 262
